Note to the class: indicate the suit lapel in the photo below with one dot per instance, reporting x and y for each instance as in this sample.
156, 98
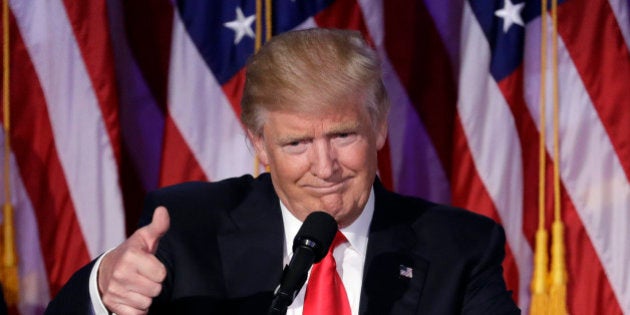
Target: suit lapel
255, 267
393, 275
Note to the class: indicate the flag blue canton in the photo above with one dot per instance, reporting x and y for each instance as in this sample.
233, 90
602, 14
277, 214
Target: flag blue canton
506, 46
205, 22
287, 14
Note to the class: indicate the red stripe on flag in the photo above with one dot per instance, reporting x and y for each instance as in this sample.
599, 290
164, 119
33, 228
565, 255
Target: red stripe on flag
63, 247
178, 161
468, 191
133, 192
417, 52
343, 14
90, 24
149, 27
594, 40
233, 90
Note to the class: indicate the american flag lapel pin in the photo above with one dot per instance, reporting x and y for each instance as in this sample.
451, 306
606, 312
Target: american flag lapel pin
406, 272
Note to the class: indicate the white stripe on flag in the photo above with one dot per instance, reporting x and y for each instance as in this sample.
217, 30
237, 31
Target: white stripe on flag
202, 113
589, 167
622, 13
494, 143
81, 137
308, 23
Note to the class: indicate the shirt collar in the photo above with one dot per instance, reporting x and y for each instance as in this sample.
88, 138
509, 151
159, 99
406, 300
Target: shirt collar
356, 233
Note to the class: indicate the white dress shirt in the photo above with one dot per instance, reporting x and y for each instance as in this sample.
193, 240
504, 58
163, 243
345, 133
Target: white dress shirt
350, 258
97, 303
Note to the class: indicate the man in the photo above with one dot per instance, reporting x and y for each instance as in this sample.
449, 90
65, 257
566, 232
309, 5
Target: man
315, 110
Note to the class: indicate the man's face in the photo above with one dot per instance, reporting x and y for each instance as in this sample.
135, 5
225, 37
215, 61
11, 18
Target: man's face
324, 161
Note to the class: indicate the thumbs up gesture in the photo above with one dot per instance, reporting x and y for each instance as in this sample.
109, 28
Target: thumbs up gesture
130, 276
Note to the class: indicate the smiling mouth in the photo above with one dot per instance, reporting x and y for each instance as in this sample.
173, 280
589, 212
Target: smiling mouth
326, 189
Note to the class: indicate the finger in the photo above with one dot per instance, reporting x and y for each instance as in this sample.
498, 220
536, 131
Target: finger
135, 292
136, 263
124, 265
145, 286
152, 233
122, 301
122, 309
152, 268
125, 310
137, 301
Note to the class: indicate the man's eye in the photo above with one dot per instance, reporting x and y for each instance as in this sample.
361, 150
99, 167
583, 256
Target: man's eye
345, 138
294, 147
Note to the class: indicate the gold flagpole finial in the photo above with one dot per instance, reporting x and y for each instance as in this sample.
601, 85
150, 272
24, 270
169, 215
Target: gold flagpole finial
558, 276
9, 268
539, 285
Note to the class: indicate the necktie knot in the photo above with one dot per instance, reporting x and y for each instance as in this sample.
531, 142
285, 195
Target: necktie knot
338, 240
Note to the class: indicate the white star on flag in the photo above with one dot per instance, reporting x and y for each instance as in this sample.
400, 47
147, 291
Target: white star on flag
241, 26
511, 14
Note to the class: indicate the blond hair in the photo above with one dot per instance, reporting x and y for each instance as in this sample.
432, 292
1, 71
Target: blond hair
326, 67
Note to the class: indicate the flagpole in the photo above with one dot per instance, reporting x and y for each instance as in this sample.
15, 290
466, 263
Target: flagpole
539, 286
9, 271
268, 21
558, 274
258, 44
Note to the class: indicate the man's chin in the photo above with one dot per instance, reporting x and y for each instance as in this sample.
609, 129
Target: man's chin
337, 213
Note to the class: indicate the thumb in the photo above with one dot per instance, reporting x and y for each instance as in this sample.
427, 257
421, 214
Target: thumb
156, 229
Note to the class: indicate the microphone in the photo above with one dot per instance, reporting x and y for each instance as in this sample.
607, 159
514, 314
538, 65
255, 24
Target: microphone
309, 246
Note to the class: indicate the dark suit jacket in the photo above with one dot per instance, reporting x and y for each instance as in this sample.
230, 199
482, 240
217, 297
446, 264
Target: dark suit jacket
224, 253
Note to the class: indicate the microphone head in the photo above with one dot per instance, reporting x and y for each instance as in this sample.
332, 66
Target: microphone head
317, 232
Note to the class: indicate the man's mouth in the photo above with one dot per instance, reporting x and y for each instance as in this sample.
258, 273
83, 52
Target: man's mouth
328, 188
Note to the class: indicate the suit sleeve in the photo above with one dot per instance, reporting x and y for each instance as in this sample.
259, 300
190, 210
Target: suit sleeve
486, 292
74, 297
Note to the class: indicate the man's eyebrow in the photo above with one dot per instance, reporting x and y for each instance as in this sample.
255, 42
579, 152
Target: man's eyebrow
291, 138
343, 128
334, 130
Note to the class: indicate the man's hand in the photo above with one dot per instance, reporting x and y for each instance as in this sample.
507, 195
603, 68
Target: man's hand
130, 275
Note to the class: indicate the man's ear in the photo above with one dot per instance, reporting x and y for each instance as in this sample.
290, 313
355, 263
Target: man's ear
381, 134
259, 145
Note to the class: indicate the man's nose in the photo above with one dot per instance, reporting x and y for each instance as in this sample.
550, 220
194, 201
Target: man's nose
324, 160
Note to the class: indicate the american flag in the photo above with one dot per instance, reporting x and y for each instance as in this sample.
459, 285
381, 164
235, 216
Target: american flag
110, 99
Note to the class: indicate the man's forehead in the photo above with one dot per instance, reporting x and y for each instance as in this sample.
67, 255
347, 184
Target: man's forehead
296, 123
317, 101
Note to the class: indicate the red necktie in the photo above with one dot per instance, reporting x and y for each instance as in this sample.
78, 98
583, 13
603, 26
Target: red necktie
325, 293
